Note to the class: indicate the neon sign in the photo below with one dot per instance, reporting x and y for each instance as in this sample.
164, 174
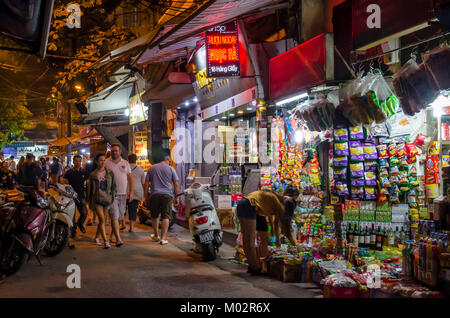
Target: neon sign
222, 51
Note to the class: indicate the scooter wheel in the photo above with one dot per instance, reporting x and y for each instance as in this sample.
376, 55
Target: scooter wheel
209, 252
59, 242
13, 259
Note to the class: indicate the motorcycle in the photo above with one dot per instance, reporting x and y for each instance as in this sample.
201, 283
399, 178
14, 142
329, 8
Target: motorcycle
27, 231
62, 206
204, 224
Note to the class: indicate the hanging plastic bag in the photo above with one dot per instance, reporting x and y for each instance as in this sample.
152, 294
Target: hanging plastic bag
381, 100
437, 63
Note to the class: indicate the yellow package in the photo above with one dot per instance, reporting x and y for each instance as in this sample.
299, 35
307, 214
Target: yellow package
369, 150
315, 179
356, 167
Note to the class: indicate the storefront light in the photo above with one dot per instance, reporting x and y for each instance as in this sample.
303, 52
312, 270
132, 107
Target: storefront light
127, 112
231, 115
440, 102
195, 99
186, 103
240, 112
83, 150
291, 99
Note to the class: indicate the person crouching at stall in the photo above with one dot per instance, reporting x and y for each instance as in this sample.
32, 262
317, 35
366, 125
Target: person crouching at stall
252, 211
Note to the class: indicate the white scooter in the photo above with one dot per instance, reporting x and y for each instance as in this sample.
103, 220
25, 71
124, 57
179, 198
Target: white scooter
62, 207
204, 223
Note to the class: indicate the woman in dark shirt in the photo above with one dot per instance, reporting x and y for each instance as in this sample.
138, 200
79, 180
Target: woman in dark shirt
7, 177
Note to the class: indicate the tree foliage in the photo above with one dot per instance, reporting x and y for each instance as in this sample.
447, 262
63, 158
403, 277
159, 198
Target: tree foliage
14, 116
97, 40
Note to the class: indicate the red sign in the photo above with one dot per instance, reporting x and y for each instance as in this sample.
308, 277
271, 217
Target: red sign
299, 68
222, 51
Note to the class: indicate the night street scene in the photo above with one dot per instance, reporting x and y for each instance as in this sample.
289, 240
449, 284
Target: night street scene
219, 157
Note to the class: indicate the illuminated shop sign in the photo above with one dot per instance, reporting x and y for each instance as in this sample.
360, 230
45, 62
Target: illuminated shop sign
222, 51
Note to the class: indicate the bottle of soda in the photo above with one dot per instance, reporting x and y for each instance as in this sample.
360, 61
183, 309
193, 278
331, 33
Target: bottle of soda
373, 238
379, 240
367, 238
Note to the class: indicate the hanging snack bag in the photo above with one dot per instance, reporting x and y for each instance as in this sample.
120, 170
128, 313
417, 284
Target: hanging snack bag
341, 149
357, 193
401, 150
341, 189
404, 163
413, 170
340, 173
394, 171
431, 178
384, 172
394, 180
412, 159
411, 150
404, 178
357, 170
422, 141
393, 150
315, 180
370, 178
394, 162
341, 134
437, 65
370, 193
357, 182
433, 148
382, 151
432, 164
356, 151
370, 166
370, 151
385, 183
383, 162
356, 133
394, 195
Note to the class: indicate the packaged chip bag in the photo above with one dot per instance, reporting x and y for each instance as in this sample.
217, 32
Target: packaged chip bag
404, 162
404, 188
401, 150
383, 163
403, 177
357, 170
433, 148
357, 182
394, 180
394, 161
384, 172
315, 179
382, 151
431, 178
370, 166
411, 150
357, 193
382, 198
356, 151
412, 159
341, 149
340, 173
394, 171
370, 193
413, 170
370, 151
341, 134
356, 133
422, 141
393, 150
385, 183
432, 164
341, 189
370, 178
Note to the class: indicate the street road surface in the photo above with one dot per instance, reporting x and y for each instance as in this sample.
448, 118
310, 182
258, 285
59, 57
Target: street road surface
142, 268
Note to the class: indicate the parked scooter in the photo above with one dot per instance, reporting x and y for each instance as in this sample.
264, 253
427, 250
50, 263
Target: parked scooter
62, 207
28, 231
204, 223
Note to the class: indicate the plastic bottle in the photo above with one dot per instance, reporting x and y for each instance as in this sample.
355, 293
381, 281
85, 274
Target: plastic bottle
434, 264
390, 237
421, 260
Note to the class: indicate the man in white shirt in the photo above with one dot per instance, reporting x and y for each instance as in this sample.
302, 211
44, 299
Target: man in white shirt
122, 176
138, 180
12, 164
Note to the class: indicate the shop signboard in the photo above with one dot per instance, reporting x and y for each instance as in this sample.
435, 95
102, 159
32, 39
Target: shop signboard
36, 150
140, 145
9, 151
138, 110
378, 21
306, 65
222, 51
213, 90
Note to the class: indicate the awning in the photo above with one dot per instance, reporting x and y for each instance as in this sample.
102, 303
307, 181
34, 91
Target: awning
70, 140
111, 99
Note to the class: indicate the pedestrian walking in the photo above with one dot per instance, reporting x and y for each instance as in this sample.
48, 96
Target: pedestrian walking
122, 174
11, 164
252, 211
161, 178
31, 174
56, 169
138, 185
101, 191
20, 164
76, 177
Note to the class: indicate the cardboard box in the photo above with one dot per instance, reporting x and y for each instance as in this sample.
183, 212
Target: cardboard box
226, 218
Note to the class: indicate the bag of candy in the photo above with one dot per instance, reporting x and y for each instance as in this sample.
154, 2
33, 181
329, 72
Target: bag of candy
341, 134
370, 193
370, 166
340, 173
357, 193
356, 151
341, 189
